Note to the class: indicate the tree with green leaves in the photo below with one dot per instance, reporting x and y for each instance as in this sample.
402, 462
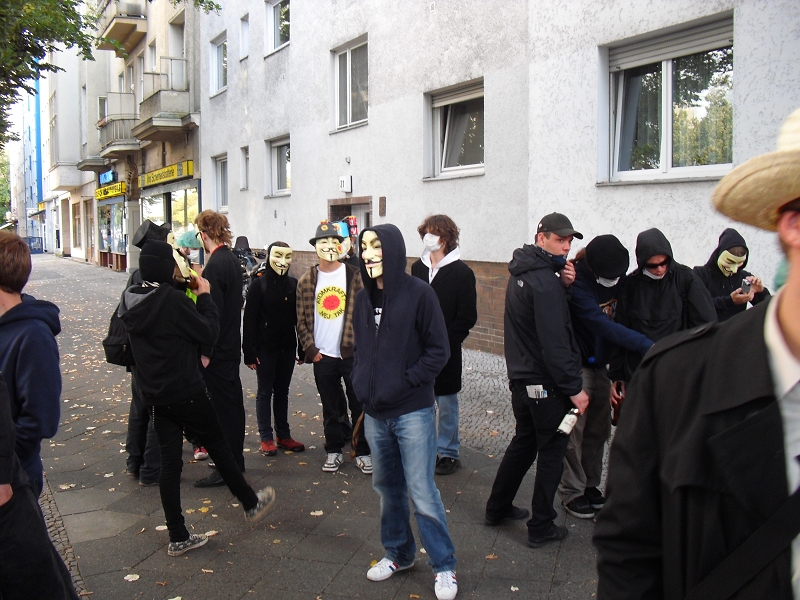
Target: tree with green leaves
5, 185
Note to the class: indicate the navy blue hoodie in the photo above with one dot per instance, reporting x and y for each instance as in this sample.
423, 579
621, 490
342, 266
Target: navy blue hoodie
30, 365
396, 364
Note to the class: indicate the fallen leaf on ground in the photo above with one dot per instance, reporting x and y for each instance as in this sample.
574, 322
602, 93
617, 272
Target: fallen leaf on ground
413, 595
211, 533
491, 557
316, 513
514, 589
302, 464
207, 570
131, 577
142, 531
189, 511
206, 501
161, 527
108, 475
204, 509
276, 541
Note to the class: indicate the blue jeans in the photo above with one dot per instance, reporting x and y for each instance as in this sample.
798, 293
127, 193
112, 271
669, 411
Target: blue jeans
403, 460
447, 443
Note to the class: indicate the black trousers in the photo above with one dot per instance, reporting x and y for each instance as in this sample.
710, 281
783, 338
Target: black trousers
537, 421
225, 389
328, 374
142, 441
198, 415
30, 566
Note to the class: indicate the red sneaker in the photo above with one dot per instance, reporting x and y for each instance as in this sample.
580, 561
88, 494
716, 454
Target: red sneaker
200, 453
268, 448
290, 444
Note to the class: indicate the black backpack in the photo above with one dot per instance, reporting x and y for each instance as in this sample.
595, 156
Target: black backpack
116, 345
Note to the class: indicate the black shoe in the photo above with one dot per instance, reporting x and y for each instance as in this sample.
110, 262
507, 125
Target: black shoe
515, 514
556, 534
595, 498
447, 466
213, 480
144, 483
580, 508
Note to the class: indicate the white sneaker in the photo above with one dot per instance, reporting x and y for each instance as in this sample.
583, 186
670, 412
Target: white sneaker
384, 569
445, 586
333, 462
365, 464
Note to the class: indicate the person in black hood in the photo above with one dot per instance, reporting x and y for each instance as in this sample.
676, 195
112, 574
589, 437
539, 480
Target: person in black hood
270, 346
660, 297
544, 372
401, 346
724, 274
166, 331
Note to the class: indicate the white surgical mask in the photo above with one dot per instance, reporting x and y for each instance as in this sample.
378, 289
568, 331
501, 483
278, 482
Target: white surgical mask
194, 256
609, 283
651, 276
431, 242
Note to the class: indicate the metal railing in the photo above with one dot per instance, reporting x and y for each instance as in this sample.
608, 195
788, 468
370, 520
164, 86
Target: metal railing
171, 78
119, 119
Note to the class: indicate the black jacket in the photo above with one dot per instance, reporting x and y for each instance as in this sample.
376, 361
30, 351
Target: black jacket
11, 473
395, 365
719, 285
696, 466
224, 273
454, 285
270, 316
540, 347
658, 308
166, 330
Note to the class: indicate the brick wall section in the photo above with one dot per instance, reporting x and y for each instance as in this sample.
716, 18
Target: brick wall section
487, 335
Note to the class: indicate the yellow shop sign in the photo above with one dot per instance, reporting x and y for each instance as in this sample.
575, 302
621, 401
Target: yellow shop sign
109, 191
176, 171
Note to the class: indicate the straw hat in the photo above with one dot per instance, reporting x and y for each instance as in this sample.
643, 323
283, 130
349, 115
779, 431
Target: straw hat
754, 192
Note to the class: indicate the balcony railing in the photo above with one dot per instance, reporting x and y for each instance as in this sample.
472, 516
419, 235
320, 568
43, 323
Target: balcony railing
122, 22
115, 127
171, 78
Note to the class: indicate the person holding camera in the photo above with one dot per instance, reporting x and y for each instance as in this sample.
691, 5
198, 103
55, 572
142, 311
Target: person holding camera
724, 275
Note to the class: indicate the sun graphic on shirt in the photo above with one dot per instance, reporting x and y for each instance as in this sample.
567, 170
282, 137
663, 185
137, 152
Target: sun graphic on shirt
331, 302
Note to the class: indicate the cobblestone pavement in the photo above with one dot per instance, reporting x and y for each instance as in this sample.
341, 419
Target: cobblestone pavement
324, 531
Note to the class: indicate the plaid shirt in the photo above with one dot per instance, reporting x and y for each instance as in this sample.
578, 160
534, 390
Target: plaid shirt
306, 309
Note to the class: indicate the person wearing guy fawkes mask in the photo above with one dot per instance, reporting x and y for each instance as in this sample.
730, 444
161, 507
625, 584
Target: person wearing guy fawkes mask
270, 347
724, 274
325, 301
660, 297
599, 278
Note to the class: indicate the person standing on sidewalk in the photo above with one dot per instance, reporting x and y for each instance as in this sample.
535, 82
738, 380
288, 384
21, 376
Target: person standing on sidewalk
221, 358
166, 330
401, 346
544, 372
28, 357
270, 347
599, 277
454, 283
325, 300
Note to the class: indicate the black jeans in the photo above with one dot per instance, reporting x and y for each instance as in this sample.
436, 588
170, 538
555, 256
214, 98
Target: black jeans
225, 390
198, 415
142, 441
274, 372
328, 374
537, 421
30, 566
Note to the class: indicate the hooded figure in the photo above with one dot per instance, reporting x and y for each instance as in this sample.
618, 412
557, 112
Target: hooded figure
660, 297
722, 278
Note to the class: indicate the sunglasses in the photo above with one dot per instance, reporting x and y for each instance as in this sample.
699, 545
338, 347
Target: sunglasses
663, 263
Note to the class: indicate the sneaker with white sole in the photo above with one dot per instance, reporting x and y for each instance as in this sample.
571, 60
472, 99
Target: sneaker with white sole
195, 541
445, 585
365, 464
385, 568
333, 462
266, 498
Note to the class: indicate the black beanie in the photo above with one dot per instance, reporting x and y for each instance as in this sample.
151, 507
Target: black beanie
156, 262
607, 257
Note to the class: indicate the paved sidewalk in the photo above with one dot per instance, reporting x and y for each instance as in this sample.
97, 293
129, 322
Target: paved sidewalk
323, 533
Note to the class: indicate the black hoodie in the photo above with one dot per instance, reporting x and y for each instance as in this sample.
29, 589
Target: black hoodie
719, 285
396, 364
540, 347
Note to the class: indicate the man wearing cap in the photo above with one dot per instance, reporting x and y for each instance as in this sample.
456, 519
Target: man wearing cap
704, 458
599, 277
544, 372
325, 302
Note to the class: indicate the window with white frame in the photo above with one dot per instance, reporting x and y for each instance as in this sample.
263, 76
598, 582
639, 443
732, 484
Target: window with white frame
457, 130
244, 174
279, 173
671, 104
277, 25
152, 55
219, 64
352, 84
244, 36
221, 181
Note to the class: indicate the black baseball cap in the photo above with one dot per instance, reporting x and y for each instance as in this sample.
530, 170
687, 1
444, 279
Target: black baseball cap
558, 224
325, 229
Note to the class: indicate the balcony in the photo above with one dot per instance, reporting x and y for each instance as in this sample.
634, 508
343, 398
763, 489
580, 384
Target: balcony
116, 138
164, 114
64, 177
122, 22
